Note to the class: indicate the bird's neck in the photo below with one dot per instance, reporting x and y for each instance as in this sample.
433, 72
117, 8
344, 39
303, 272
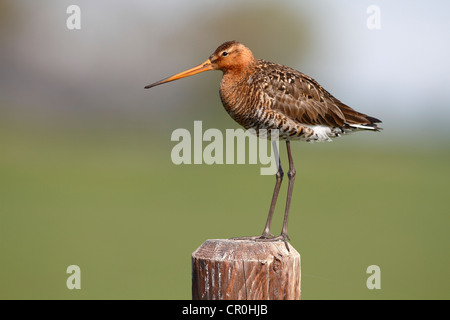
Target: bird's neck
233, 77
232, 88
239, 73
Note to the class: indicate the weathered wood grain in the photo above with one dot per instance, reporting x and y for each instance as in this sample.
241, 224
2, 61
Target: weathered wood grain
225, 269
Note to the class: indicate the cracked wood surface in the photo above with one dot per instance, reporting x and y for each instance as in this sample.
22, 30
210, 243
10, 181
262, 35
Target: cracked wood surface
224, 269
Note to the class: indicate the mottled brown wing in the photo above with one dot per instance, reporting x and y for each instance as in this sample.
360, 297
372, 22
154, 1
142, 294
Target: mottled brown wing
302, 99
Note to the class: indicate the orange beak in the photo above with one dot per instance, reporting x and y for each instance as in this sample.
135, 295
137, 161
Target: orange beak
205, 66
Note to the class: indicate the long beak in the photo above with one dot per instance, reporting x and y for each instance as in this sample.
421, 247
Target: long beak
205, 66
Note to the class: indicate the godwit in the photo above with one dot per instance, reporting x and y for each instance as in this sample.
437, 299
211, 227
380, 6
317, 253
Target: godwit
262, 95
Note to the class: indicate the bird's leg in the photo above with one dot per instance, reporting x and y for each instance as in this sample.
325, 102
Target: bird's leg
291, 175
266, 235
279, 178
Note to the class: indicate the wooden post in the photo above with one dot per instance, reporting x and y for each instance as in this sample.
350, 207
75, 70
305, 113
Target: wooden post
225, 269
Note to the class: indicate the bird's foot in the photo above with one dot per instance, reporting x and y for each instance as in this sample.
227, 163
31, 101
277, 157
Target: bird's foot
282, 237
263, 237
267, 237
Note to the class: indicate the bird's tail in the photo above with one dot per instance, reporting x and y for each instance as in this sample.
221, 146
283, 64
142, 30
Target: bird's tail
355, 120
372, 127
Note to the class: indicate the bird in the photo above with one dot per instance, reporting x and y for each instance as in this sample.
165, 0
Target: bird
259, 94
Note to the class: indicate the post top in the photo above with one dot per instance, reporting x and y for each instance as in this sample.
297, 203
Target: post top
231, 249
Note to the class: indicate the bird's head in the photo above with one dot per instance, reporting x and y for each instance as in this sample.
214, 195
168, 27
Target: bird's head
230, 56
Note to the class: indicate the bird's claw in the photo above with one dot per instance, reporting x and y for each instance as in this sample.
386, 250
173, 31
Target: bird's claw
282, 237
255, 238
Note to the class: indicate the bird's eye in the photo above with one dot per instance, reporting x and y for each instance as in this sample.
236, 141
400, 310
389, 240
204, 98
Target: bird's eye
224, 54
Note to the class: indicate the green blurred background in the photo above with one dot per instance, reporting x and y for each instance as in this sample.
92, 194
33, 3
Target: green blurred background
86, 176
